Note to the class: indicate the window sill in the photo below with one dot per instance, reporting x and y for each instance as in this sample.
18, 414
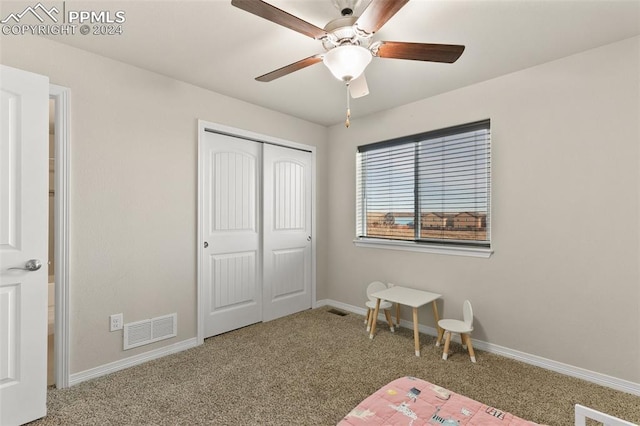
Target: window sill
423, 248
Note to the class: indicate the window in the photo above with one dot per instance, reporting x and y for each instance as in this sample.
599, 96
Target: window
431, 189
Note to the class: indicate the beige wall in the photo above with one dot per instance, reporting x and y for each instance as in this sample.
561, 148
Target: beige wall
133, 189
561, 284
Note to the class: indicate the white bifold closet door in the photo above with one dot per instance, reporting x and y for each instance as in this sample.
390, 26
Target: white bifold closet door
256, 232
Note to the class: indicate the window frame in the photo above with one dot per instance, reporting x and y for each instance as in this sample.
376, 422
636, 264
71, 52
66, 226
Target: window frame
451, 247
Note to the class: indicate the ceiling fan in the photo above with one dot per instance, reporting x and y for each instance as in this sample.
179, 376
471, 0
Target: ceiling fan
348, 41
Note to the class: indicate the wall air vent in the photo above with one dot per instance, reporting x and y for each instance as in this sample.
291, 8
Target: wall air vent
150, 330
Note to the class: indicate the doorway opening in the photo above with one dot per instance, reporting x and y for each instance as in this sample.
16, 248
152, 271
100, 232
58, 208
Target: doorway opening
59, 160
51, 237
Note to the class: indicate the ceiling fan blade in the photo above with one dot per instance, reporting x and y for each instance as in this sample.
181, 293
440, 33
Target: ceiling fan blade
448, 53
288, 69
273, 14
378, 13
358, 87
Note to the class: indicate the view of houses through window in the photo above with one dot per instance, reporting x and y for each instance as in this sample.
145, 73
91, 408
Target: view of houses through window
433, 187
433, 225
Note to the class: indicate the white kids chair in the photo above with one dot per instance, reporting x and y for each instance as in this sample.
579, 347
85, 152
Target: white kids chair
463, 328
371, 305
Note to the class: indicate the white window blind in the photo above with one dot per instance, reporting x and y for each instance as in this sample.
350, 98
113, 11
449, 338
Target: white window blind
433, 187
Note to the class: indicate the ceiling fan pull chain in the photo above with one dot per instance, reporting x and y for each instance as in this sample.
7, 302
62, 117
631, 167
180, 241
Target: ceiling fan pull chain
347, 123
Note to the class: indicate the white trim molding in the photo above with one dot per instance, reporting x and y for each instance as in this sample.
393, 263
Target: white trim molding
423, 247
548, 364
132, 361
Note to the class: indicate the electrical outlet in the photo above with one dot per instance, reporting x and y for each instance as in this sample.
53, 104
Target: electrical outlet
115, 322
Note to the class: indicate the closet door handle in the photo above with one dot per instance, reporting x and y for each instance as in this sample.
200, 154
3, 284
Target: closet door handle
309, 238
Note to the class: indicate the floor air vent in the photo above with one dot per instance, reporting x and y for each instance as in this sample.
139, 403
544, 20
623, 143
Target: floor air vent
337, 312
150, 330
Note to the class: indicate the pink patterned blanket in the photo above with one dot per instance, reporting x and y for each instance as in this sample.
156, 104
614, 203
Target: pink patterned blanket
411, 401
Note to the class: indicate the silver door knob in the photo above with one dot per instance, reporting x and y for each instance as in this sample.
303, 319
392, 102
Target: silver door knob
31, 265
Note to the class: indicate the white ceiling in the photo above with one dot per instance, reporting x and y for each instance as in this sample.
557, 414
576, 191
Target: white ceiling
216, 46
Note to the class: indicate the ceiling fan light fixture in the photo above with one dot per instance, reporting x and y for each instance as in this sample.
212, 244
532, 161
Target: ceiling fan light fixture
347, 62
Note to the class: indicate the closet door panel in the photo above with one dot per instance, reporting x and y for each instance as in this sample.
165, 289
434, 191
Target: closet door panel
231, 273
287, 231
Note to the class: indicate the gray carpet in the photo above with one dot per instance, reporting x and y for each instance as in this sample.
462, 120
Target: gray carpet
312, 368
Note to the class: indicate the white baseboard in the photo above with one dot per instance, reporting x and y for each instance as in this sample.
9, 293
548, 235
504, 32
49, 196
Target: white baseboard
559, 367
112, 367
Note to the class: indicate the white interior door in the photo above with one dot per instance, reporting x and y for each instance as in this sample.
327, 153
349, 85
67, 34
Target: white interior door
231, 283
24, 112
287, 231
